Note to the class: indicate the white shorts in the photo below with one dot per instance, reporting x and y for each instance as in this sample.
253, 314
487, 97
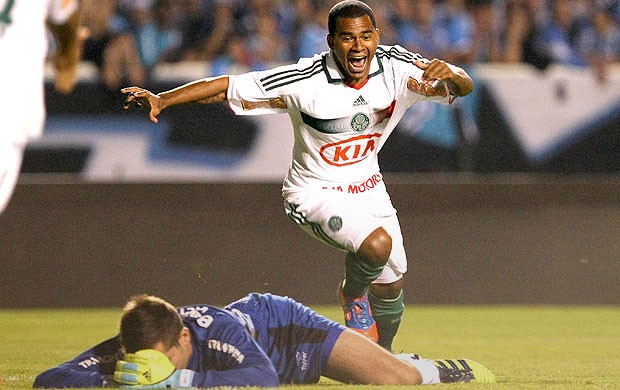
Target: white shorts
343, 216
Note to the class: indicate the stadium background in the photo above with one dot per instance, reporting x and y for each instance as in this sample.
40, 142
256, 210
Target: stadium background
526, 211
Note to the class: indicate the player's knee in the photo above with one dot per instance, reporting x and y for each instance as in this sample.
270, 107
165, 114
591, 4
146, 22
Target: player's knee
376, 248
389, 291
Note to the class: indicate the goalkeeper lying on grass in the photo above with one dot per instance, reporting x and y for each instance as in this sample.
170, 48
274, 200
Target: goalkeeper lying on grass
261, 340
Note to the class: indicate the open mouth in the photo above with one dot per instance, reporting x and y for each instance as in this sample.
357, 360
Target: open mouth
357, 64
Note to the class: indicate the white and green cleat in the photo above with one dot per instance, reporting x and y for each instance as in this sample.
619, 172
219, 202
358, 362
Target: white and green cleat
463, 370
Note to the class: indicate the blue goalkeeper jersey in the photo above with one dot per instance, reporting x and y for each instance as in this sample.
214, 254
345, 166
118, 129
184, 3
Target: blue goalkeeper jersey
261, 340
297, 339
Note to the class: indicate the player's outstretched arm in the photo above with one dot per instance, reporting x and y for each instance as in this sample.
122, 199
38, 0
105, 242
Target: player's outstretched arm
205, 91
91, 369
459, 82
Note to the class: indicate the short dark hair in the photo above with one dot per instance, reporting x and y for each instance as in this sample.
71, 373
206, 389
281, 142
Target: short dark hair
349, 9
148, 320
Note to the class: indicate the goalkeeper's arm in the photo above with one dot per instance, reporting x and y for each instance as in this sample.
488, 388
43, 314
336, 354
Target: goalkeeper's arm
152, 369
90, 369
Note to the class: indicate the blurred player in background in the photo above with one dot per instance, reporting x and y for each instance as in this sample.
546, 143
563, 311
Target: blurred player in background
260, 340
343, 105
23, 52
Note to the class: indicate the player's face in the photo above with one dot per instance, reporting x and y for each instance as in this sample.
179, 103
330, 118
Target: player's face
179, 354
354, 44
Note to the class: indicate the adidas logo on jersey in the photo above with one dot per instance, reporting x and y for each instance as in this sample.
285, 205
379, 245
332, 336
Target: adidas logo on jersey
359, 102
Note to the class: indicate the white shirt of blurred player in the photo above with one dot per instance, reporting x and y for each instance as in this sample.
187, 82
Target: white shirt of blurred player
24, 45
338, 129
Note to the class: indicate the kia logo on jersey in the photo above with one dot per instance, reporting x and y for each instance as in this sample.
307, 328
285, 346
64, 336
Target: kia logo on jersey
350, 151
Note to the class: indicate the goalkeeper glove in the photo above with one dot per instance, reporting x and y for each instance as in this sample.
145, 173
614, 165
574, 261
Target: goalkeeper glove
149, 368
180, 379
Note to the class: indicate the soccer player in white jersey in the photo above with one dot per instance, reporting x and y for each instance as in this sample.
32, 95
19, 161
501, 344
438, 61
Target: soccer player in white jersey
23, 51
343, 105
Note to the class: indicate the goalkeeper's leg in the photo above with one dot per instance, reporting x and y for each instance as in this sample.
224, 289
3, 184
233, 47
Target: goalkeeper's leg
357, 360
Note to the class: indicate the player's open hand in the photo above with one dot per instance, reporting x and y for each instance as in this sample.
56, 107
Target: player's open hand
141, 97
145, 367
151, 369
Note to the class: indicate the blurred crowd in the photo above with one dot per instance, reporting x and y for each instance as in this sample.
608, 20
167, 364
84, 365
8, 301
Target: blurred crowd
128, 38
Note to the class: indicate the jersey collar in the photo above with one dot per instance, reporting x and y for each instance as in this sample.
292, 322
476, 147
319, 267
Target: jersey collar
333, 72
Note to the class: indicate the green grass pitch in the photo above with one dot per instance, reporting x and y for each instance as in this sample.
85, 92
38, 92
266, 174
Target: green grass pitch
527, 347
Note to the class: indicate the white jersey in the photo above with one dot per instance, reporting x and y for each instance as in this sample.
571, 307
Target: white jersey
339, 129
23, 50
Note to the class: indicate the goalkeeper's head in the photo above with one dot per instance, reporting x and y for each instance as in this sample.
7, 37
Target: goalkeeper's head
149, 322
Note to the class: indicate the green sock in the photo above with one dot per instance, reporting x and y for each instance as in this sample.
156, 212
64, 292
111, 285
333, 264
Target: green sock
358, 276
387, 314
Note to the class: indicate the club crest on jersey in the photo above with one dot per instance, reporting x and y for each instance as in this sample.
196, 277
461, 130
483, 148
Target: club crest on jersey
351, 150
360, 122
335, 223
